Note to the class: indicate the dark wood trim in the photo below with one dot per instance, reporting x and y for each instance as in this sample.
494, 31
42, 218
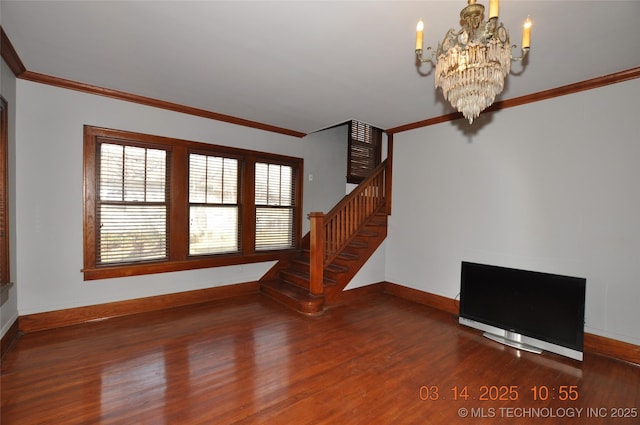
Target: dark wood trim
612, 348
107, 272
355, 294
5, 247
593, 83
389, 174
436, 301
10, 55
74, 316
592, 343
9, 338
156, 103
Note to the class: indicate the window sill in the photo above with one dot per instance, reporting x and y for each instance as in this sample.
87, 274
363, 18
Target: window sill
106, 272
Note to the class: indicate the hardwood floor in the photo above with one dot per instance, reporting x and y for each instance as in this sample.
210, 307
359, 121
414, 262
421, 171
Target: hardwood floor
248, 360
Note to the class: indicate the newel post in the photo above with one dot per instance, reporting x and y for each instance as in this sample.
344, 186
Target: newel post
316, 246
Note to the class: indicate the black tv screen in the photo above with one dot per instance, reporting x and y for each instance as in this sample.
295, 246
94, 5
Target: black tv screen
547, 310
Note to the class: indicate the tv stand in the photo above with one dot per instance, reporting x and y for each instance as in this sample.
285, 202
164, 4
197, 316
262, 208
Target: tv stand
512, 339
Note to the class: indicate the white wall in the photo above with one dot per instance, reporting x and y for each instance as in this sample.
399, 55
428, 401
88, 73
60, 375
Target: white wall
328, 168
550, 186
9, 295
49, 193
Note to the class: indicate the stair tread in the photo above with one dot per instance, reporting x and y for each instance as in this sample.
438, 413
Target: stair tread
357, 244
348, 256
305, 275
331, 267
290, 289
368, 233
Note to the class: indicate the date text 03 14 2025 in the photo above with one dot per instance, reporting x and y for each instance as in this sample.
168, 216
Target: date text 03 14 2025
500, 393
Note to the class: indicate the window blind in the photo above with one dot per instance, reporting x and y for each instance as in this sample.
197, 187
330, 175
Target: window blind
275, 206
132, 204
364, 151
213, 205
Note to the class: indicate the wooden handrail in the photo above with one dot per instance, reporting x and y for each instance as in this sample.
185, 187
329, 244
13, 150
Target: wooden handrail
332, 232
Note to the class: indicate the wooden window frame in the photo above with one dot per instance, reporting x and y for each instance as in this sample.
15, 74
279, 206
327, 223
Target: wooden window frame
178, 222
5, 272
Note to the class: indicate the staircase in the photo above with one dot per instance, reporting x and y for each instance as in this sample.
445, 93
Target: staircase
338, 245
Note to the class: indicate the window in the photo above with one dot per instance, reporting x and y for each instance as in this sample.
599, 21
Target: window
155, 204
365, 143
275, 206
213, 205
4, 193
132, 204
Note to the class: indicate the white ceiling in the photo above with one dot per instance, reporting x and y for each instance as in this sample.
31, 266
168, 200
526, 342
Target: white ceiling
305, 65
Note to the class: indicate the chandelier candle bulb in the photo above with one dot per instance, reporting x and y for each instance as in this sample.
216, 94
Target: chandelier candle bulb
526, 34
494, 9
419, 30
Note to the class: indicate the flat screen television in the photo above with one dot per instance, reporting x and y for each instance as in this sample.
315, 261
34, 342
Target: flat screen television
524, 309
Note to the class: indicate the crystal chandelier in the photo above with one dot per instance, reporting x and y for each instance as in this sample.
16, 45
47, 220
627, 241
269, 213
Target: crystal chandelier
472, 63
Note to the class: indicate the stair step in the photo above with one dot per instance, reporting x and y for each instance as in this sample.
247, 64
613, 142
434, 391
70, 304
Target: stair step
368, 233
302, 264
357, 244
347, 256
293, 296
301, 279
298, 278
336, 268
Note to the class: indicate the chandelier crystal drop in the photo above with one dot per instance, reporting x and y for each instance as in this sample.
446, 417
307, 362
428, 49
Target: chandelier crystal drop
472, 63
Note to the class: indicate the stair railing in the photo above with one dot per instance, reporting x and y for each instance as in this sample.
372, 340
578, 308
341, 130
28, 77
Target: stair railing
330, 233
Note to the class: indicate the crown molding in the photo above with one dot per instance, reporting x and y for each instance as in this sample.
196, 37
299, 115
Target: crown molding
593, 83
10, 55
156, 103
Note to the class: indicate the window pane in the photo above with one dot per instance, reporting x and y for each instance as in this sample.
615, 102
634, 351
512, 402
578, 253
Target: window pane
274, 228
111, 167
156, 175
131, 233
134, 173
262, 172
197, 178
230, 181
273, 191
274, 184
286, 186
213, 180
213, 230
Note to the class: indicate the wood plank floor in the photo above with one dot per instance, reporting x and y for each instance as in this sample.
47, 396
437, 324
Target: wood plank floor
248, 360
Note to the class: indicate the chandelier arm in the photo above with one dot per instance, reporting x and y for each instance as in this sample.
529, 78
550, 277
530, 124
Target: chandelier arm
524, 52
423, 60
